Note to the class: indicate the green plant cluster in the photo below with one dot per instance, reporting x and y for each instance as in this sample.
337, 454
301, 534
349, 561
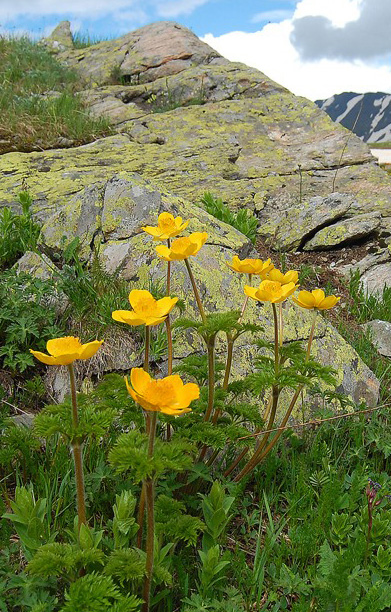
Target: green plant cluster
243, 220
37, 100
18, 232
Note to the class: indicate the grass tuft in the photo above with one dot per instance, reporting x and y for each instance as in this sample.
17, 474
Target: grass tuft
39, 105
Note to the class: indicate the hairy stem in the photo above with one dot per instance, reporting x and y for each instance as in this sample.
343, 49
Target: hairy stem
150, 499
77, 451
275, 395
146, 350
195, 291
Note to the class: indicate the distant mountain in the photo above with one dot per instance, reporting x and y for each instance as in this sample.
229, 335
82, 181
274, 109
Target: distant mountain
367, 115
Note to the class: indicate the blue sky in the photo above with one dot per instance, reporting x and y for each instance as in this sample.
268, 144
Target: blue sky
313, 47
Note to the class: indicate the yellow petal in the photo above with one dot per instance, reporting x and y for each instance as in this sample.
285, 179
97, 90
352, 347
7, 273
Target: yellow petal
318, 295
66, 359
292, 276
152, 231
306, 299
250, 291
48, 359
276, 275
174, 411
90, 348
128, 316
165, 305
141, 297
163, 251
263, 296
328, 302
154, 320
61, 346
301, 304
186, 395
166, 218
140, 380
287, 289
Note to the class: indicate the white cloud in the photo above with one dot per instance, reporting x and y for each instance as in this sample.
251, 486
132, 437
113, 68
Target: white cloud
339, 12
271, 51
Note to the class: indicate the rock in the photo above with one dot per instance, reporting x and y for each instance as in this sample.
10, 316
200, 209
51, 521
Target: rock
342, 232
129, 202
104, 103
380, 334
60, 39
376, 278
157, 50
38, 265
290, 230
371, 260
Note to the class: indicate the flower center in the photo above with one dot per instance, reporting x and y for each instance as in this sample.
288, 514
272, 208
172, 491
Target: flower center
272, 287
160, 393
145, 305
167, 224
180, 244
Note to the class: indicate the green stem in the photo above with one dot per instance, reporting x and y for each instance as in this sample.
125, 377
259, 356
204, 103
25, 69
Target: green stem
211, 377
262, 454
281, 322
250, 465
211, 389
150, 499
146, 350
195, 291
169, 331
77, 451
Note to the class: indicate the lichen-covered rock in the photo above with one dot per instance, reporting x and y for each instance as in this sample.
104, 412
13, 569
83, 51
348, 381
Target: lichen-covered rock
376, 278
154, 51
60, 40
380, 334
343, 232
37, 265
291, 228
128, 202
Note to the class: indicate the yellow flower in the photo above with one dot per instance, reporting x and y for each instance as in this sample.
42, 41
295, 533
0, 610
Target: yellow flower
146, 310
315, 300
270, 291
250, 266
63, 351
167, 227
182, 248
168, 395
292, 276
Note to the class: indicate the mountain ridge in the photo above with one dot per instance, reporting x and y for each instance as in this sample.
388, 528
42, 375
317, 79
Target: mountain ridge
368, 115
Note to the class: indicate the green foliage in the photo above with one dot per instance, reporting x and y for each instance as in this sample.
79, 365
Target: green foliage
82, 40
131, 453
57, 419
26, 318
37, 100
18, 232
215, 507
174, 524
367, 307
97, 593
243, 220
86, 285
124, 524
29, 519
